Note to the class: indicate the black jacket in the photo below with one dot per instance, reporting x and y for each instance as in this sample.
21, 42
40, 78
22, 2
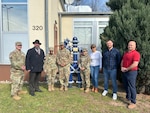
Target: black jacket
34, 61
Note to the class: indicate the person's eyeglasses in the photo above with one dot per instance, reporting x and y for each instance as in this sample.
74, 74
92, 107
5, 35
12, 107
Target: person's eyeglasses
93, 47
19, 45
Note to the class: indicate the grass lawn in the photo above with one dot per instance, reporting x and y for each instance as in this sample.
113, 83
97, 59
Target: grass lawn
72, 101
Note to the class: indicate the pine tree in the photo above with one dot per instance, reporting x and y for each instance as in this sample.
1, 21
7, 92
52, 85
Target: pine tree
131, 21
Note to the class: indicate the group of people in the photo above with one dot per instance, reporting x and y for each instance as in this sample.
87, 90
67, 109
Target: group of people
92, 64
34, 62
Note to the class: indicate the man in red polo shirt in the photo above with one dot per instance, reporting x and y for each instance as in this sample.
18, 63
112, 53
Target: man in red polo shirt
129, 67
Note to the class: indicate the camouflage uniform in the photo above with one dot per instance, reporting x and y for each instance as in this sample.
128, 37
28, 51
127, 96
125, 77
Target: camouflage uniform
64, 57
50, 68
17, 59
84, 62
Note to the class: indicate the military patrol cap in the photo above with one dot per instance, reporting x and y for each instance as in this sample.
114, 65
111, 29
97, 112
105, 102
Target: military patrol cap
61, 43
51, 48
18, 43
84, 49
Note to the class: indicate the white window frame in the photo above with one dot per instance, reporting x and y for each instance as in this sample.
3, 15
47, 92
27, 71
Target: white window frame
95, 28
4, 57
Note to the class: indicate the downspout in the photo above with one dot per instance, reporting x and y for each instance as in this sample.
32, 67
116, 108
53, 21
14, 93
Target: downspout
60, 27
46, 27
1, 21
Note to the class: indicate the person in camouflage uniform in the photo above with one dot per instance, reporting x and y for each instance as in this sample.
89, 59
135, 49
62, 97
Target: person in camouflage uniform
17, 60
50, 68
63, 60
84, 65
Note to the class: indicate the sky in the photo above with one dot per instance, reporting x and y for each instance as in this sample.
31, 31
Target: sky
97, 5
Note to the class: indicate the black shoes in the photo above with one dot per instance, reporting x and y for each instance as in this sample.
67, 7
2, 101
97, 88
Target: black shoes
32, 94
38, 90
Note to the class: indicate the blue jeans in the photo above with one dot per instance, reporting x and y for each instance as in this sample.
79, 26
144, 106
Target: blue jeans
129, 81
113, 75
94, 75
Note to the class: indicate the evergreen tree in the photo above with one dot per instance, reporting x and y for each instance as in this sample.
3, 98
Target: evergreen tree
116, 4
131, 21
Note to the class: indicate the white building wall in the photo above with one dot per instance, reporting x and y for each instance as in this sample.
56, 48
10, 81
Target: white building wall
36, 18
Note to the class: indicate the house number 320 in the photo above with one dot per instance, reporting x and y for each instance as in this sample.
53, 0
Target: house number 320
37, 28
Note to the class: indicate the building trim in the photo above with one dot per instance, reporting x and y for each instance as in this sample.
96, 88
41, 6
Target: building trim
61, 14
84, 13
46, 27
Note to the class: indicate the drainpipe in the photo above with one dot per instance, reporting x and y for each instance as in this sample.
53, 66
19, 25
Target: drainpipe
46, 27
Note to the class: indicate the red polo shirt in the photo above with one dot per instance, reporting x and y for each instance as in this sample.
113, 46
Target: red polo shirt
129, 58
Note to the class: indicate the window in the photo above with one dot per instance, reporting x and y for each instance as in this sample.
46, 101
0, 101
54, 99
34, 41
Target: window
83, 31
88, 31
14, 18
102, 25
14, 0
14, 27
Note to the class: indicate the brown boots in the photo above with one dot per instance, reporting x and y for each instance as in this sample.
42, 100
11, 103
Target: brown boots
51, 88
22, 92
87, 90
66, 88
131, 105
16, 97
82, 89
95, 90
63, 88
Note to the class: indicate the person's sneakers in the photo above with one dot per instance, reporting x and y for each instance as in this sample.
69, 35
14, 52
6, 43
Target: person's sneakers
114, 96
104, 92
16, 97
131, 106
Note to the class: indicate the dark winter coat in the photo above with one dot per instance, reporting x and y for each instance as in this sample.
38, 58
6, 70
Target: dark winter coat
34, 61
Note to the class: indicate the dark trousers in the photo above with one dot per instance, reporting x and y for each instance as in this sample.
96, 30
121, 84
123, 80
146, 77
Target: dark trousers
129, 81
34, 81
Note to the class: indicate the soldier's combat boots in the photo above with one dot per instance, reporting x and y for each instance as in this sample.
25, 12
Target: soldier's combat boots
53, 88
16, 97
66, 88
87, 90
22, 92
49, 88
82, 88
61, 88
